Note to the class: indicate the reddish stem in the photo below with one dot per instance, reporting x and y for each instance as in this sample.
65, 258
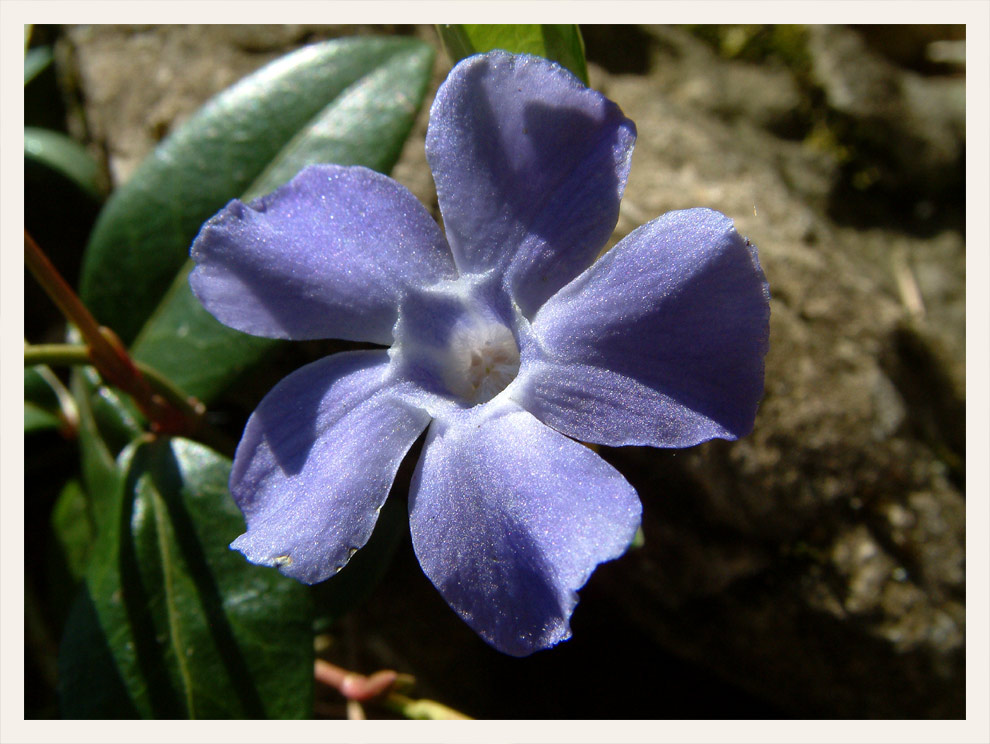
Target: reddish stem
106, 350
352, 685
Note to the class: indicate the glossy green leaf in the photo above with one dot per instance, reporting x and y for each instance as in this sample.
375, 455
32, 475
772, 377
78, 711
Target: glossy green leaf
69, 544
35, 61
142, 237
173, 624
187, 344
62, 155
39, 419
42, 408
558, 42
44, 104
73, 529
366, 125
107, 423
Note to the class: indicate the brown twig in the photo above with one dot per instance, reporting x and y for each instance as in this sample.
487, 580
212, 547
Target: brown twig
107, 352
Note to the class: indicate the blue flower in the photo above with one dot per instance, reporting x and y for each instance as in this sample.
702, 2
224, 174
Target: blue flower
506, 340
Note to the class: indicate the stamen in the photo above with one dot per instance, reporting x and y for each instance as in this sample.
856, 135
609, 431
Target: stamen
482, 359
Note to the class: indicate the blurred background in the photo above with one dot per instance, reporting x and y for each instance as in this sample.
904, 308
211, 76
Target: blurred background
813, 569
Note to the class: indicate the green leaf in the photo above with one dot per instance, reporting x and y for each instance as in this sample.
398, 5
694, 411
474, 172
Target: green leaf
173, 624
68, 544
107, 423
558, 42
187, 344
62, 155
44, 105
35, 61
42, 407
142, 237
366, 124
39, 419
73, 529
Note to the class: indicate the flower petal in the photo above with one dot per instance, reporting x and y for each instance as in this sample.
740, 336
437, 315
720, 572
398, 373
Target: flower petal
529, 166
660, 343
316, 462
328, 255
509, 519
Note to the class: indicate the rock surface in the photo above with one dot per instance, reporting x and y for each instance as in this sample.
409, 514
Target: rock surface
814, 568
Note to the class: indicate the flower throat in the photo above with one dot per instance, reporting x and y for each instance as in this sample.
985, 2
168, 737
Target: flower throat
482, 359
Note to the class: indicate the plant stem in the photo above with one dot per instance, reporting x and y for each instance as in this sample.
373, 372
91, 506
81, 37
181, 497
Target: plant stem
422, 710
59, 355
75, 355
380, 686
61, 293
68, 413
107, 353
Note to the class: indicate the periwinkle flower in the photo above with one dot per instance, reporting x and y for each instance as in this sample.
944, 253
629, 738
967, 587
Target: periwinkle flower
506, 338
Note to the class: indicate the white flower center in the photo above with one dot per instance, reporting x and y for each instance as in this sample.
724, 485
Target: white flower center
482, 359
